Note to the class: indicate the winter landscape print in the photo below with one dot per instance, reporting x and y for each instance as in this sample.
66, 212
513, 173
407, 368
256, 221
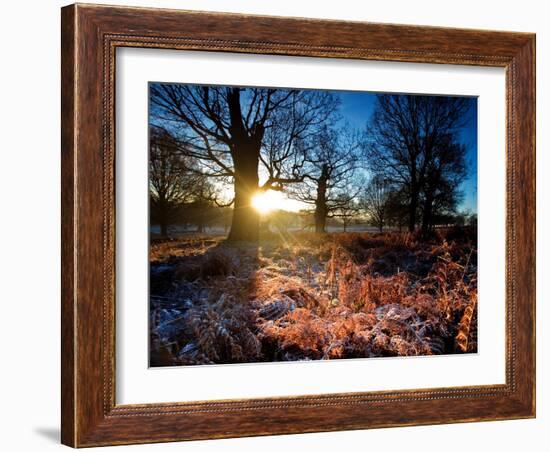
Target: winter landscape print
295, 224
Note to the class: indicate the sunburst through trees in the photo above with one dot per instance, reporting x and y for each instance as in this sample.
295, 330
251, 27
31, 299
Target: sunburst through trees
295, 224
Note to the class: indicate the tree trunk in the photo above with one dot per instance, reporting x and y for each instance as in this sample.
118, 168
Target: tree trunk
245, 225
427, 216
412, 210
162, 215
245, 151
380, 222
321, 202
320, 221
163, 218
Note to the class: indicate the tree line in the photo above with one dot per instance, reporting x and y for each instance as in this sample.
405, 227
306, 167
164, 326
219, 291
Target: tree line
404, 168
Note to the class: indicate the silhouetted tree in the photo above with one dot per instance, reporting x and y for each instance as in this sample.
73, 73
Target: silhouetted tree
406, 133
445, 172
233, 131
397, 209
205, 201
374, 201
331, 166
170, 183
347, 209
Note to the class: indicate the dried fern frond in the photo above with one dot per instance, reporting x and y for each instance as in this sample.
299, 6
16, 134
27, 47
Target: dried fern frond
463, 335
351, 295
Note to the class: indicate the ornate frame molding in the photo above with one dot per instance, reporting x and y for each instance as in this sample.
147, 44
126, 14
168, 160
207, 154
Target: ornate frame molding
90, 37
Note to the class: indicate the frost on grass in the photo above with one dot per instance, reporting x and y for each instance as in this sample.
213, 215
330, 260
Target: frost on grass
308, 297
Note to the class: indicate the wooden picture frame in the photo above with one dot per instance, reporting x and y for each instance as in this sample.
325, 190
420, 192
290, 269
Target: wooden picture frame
90, 36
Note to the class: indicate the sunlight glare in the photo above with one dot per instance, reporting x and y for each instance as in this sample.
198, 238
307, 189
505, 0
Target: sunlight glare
265, 202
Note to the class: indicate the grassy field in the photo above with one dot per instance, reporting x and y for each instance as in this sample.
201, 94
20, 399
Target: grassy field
309, 297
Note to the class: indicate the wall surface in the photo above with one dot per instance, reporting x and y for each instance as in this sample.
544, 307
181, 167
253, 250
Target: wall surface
30, 185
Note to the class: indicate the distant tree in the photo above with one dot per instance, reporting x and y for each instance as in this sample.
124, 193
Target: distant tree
232, 132
374, 201
348, 208
206, 214
306, 218
223, 218
409, 136
282, 220
205, 200
397, 209
330, 170
465, 218
170, 183
460, 219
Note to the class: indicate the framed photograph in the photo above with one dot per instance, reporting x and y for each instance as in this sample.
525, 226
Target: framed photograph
281, 225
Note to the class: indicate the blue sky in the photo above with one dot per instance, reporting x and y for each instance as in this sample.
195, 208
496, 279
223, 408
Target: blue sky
357, 108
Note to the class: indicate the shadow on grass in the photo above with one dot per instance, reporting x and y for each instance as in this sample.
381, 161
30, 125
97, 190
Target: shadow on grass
200, 303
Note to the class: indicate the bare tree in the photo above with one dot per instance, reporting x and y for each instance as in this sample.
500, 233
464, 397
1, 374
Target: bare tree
397, 210
232, 132
170, 184
374, 201
406, 133
347, 209
329, 172
440, 192
204, 203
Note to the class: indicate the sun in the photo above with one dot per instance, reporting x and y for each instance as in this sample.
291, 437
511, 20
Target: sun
266, 201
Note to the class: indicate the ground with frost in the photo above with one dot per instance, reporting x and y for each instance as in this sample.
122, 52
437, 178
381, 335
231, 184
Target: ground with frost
306, 297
